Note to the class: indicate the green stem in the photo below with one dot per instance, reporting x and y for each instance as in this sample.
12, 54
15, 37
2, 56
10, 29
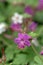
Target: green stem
36, 52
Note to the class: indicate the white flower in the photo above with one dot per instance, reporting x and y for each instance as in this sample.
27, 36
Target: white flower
17, 18
2, 27
35, 42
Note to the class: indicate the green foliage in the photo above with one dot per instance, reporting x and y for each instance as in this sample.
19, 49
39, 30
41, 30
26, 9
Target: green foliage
2, 18
26, 15
32, 3
37, 61
9, 53
2, 9
10, 10
20, 59
39, 17
39, 31
33, 34
13, 1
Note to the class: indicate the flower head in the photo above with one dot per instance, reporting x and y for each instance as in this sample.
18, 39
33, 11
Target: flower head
28, 10
17, 18
15, 27
2, 27
22, 40
33, 26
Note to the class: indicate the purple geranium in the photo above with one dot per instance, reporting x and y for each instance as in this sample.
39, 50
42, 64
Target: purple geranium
22, 40
32, 26
28, 10
40, 5
15, 27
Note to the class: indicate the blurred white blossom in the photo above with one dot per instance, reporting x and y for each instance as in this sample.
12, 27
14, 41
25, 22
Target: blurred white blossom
17, 18
2, 27
35, 42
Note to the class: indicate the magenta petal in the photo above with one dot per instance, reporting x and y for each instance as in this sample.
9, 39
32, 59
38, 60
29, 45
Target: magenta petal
17, 40
33, 26
21, 46
40, 5
26, 36
21, 35
41, 2
15, 27
27, 43
28, 10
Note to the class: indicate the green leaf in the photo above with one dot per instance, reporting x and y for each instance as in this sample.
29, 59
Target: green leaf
33, 34
9, 53
30, 55
20, 59
33, 63
38, 60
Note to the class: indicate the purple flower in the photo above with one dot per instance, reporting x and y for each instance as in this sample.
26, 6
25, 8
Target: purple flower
15, 27
22, 40
28, 10
41, 52
40, 5
32, 26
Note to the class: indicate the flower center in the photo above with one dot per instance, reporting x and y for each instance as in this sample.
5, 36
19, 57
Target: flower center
17, 18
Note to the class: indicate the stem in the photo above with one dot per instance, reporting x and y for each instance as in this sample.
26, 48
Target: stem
26, 25
36, 52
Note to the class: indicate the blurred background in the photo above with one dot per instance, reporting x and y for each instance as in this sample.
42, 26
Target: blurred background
15, 56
